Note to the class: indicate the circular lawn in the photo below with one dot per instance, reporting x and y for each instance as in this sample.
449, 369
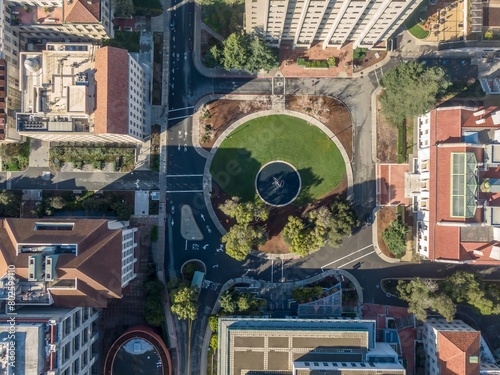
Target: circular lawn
278, 137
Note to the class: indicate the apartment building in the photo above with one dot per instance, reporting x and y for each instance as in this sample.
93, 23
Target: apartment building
67, 263
455, 348
79, 92
52, 341
454, 183
334, 22
28, 25
303, 347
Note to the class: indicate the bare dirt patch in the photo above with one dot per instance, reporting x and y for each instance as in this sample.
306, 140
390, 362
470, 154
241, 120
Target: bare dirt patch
384, 218
330, 112
387, 138
223, 112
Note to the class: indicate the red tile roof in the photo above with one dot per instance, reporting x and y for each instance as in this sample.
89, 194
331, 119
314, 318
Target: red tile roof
446, 138
455, 349
97, 267
82, 11
111, 76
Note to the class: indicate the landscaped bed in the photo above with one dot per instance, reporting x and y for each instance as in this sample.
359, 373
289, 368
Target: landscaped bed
387, 138
117, 159
15, 156
385, 217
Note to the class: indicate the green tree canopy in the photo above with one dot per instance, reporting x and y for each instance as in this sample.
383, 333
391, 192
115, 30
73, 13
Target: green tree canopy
411, 89
245, 213
228, 302
153, 306
235, 51
261, 56
395, 238
213, 323
123, 8
240, 240
10, 204
57, 202
184, 303
420, 298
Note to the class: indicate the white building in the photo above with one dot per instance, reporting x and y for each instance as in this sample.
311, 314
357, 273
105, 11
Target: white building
26, 25
334, 22
79, 92
52, 341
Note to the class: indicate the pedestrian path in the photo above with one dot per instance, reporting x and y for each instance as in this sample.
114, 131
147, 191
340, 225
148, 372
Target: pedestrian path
39, 153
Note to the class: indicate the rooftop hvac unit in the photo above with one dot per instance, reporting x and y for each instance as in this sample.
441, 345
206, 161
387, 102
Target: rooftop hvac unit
479, 113
482, 121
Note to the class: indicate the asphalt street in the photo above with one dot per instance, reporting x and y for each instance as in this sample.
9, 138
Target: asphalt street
184, 185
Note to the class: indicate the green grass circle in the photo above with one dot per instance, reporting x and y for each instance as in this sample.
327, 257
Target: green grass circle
278, 137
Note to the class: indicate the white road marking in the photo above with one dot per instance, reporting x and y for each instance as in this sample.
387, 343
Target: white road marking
184, 191
183, 175
176, 118
338, 260
362, 256
180, 109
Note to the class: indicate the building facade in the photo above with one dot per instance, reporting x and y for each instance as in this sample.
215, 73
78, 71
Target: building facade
333, 22
455, 348
78, 92
303, 347
455, 185
53, 341
28, 25
66, 263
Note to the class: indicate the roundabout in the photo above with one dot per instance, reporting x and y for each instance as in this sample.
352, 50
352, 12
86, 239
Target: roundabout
248, 146
278, 183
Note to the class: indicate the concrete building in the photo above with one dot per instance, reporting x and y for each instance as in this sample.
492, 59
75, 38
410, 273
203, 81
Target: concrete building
455, 348
81, 93
28, 25
303, 347
51, 341
66, 263
334, 22
455, 185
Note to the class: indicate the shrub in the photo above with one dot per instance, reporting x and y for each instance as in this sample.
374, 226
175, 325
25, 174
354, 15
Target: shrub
395, 238
332, 62
301, 61
359, 54
488, 35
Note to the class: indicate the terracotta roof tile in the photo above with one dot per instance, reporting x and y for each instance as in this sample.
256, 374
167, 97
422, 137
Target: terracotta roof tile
111, 76
80, 11
455, 349
97, 267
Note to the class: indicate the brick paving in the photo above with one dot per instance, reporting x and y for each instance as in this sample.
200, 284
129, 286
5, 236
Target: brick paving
128, 312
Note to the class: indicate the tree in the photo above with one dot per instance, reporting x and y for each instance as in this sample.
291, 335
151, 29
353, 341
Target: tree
261, 56
228, 302
344, 218
395, 238
241, 238
411, 89
122, 210
184, 303
488, 35
246, 212
123, 8
306, 292
213, 323
57, 202
214, 342
10, 204
297, 236
153, 306
420, 299
235, 52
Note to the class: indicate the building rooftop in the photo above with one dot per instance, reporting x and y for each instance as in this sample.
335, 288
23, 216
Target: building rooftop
458, 352
58, 89
32, 349
266, 345
36, 15
82, 11
85, 271
111, 115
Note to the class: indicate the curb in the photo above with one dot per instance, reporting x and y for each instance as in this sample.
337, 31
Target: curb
228, 284
375, 93
375, 240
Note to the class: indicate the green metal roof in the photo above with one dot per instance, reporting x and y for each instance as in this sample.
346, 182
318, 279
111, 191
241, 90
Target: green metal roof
463, 184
